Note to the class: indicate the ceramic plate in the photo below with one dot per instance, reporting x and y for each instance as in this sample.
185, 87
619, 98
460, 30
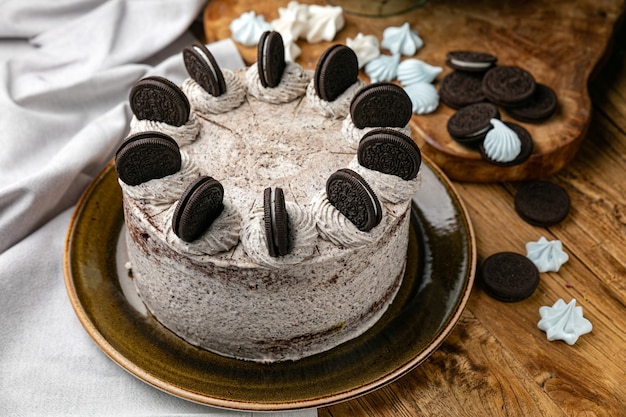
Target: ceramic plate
436, 287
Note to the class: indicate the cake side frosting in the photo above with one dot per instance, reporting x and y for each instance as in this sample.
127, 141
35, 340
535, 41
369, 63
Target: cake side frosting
223, 292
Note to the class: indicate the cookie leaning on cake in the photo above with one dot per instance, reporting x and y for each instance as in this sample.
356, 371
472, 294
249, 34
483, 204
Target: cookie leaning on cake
277, 227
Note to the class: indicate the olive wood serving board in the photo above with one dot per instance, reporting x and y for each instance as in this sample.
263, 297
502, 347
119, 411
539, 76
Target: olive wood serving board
560, 42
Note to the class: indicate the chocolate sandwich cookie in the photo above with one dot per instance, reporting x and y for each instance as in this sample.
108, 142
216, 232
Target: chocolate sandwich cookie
158, 99
390, 152
146, 156
542, 203
508, 85
198, 207
472, 61
276, 221
354, 198
336, 70
381, 105
471, 123
539, 107
461, 88
271, 59
509, 276
203, 68
526, 148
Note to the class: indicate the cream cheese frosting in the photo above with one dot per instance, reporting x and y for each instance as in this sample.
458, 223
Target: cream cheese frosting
336, 228
564, 321
292, 85
353, 134
502, 143
336, 109
390, 188
161, 192
204, 103
183, 135
302, 239
221, 236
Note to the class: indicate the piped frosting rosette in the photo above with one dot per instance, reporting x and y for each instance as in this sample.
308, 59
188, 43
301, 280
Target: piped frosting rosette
221, 236
293, 84
204, 103
164, 191
338, 108
353, 134
334, 227
389, 188
183, 135
302, 236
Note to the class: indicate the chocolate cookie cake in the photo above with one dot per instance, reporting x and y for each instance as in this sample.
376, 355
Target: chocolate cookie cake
260, 236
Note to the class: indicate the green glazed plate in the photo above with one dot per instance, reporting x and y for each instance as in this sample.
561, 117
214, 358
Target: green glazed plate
437, 284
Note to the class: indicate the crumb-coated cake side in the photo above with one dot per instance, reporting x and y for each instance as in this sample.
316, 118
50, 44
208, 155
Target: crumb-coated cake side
224, 291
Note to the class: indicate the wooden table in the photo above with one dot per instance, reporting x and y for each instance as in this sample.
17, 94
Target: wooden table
497, 362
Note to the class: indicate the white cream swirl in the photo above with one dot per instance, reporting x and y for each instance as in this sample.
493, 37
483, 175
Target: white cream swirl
204, 103
390, 188
248, 28
333, 226
501, 143
401, 40
292, 20
424, 97
292, 85
383, 68
353, 134
302, 237
323, 23
413, 71
366, 47
337, 108
163, 191
183, 134
221, 236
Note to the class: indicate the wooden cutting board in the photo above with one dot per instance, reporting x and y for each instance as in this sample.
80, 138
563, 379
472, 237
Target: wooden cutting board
560, 42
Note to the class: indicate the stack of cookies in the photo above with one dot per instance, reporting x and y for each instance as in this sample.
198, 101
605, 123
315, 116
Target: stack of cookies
479, 89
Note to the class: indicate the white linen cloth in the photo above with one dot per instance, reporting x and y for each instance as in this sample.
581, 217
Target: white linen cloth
66, 67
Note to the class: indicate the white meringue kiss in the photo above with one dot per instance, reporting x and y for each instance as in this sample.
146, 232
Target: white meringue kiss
564, 321
413, 71
324, 22
366, 48
548, 256
383, 68
401, 40
424, 97
502, 143
292, 20
248, 28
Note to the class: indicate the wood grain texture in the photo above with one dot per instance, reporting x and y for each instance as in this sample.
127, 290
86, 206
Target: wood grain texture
497, 362
559, 42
